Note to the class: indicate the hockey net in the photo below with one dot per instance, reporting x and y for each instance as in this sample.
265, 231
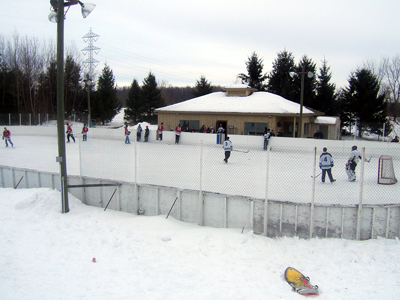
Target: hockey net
386, 171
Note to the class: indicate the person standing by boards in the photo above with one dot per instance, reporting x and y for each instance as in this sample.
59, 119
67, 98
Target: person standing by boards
178, 131
160, 130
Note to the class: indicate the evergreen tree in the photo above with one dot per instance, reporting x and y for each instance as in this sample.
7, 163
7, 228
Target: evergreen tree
326, 97
151, 99
254, 77
134, 106
279, 81
105, 105
73, 91
203, 87
344, 112
369, 108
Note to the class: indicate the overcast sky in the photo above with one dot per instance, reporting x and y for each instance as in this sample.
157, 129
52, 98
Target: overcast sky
181, 40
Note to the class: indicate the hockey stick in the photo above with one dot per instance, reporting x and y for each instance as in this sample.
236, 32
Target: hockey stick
316, 175
19, 182
368, 160
172, 207
243, 151
110, 200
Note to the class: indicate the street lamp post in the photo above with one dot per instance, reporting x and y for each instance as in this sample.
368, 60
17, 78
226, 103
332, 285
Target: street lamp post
309, 75
57, 15
88, 86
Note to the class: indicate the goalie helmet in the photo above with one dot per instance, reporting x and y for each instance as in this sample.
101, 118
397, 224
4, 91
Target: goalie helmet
354, 148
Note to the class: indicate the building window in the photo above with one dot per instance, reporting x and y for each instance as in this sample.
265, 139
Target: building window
189, 124
251, 128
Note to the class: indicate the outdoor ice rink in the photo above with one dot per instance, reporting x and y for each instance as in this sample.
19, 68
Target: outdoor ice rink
285, 174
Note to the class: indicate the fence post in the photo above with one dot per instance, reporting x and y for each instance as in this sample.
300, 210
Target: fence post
266, 195
313, 197
9, 119
360, 204
136, 174
20, 119
201, 206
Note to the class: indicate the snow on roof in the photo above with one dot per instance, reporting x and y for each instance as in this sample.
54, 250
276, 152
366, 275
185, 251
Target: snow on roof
326, 120
258, 102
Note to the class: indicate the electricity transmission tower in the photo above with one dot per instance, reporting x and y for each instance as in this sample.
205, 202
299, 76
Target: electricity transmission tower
90, 63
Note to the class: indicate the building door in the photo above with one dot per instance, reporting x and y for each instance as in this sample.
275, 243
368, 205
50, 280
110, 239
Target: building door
324, 130
224, 125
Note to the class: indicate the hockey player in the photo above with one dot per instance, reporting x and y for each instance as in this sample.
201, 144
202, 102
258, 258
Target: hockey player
351, 165
178, 130
267, 135
146, 134
139, 133
227, 145
70, 133
326, 164
160, 130
85, 130
127, 133
7, 137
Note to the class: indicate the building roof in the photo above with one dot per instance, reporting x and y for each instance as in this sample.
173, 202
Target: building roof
326, 120
256, 103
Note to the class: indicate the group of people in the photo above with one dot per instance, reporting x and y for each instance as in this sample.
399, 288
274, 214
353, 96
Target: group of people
268, 133
138, 134
70, 132
203, 129
326, 164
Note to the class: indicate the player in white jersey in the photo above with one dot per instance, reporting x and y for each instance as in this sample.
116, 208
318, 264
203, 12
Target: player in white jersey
326, 164
351, 165
227, 145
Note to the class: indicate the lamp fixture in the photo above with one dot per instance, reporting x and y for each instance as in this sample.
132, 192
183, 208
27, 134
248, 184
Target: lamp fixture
309, 75
86, 8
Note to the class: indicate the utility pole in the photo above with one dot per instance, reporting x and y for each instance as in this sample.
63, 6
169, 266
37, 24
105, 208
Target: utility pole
91, 63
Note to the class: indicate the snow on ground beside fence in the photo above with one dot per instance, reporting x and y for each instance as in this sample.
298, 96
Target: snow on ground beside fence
90, 253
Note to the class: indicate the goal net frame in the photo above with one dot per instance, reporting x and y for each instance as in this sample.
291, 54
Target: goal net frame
386, 173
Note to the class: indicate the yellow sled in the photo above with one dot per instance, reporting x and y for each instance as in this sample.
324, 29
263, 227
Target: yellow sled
300, 283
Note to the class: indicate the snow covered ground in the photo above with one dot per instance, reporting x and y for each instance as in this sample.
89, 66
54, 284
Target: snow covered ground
48, 255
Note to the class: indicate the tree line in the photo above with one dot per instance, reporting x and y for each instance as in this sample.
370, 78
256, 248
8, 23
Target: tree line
365, 102
28, 83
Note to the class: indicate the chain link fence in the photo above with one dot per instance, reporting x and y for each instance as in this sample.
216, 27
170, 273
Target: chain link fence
281, 173
37, 119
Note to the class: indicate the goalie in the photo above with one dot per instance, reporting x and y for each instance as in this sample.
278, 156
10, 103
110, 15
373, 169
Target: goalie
351, 164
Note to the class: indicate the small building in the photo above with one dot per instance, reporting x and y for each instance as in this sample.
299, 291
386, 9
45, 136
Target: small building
245, 111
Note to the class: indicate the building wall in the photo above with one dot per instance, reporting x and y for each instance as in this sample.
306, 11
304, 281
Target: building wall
236, 122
